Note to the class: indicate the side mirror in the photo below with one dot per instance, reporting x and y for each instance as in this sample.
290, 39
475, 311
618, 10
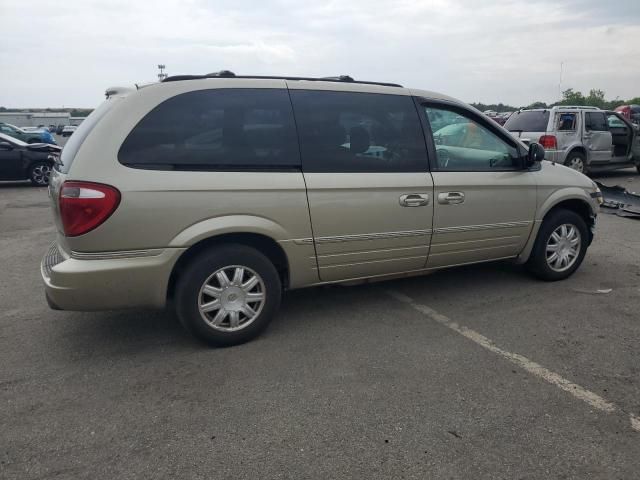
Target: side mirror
536, 154
6, 146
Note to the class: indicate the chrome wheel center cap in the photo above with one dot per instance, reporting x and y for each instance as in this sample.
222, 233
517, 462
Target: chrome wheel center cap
232, 299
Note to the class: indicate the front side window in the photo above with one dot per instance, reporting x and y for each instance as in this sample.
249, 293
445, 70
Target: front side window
596, 122
464, 144
224, 129
358, 132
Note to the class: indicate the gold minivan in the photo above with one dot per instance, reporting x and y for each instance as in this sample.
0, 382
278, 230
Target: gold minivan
219, 192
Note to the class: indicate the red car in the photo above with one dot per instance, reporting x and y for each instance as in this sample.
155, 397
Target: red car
630, 112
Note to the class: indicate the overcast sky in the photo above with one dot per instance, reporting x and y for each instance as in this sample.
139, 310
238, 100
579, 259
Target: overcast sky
68, 52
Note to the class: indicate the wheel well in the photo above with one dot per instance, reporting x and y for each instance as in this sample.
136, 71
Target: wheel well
266, 245
581, 150
580, 207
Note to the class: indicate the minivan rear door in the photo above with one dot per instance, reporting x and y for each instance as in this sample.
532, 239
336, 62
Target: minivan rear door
369, 189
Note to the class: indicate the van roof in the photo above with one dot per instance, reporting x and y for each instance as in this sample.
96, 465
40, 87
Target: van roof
229, 74
226, 80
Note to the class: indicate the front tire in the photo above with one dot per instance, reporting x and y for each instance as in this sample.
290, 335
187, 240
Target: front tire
560, 246
39, 174
228, 295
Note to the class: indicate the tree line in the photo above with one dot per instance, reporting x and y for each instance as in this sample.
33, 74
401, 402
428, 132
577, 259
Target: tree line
596, 98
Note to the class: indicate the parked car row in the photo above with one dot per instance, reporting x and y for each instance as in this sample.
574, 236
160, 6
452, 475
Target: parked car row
586, 139
68, 130
41, 135
499, 117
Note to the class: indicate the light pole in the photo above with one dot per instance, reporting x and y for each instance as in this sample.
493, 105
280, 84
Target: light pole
162, 75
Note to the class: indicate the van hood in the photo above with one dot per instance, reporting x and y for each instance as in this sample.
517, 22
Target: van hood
556, 174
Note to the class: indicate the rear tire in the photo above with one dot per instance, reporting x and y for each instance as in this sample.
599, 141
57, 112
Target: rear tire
577, 161
228, 295
550, 241
39, 174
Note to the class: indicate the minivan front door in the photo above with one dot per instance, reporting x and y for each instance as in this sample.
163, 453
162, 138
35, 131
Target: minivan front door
484, 202
369, 190
597, 137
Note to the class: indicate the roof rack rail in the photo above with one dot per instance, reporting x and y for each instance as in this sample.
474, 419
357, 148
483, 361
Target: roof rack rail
576, 107
230, 74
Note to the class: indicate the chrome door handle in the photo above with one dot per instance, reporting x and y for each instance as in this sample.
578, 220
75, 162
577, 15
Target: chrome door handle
451, 198
414, 200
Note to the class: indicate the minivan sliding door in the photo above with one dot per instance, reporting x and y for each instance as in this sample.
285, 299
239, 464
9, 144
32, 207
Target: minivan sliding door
369, 190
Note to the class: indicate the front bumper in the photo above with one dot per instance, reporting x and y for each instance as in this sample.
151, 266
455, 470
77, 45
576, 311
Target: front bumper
109, 282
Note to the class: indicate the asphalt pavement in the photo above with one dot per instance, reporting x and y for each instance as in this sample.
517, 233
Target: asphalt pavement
472, 373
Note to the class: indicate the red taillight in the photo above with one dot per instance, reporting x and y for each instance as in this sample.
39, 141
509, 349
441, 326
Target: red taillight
549, 142
85, 205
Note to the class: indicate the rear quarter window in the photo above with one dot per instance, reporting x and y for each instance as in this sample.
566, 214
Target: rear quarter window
216, 129
528, 121
76, 140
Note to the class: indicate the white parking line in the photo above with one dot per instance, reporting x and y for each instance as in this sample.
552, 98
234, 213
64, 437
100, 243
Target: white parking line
591, 398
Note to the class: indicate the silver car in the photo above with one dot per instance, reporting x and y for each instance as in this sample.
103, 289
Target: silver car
216, 193
586, 139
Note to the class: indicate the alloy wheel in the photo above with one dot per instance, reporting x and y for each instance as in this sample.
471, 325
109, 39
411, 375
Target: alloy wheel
563, 247
577, 164
231, 298
40, 174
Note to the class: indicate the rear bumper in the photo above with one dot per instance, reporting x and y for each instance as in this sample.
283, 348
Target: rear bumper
109, 282
554, 156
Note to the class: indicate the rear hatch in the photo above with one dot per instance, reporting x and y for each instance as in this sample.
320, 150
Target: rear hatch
528, 125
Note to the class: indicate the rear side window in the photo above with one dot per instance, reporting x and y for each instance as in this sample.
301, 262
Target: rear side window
221, 129
358, 132
566, 121
596, 122
528, 121
80, 134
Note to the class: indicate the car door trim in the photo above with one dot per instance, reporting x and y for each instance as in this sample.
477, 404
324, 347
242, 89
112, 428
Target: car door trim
486, 226
365, 236
116, 255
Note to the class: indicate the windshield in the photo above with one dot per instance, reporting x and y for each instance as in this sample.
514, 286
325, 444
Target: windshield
15, 141
528, 121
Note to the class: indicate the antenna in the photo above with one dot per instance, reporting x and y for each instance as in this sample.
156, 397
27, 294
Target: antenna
560, 83
162, 75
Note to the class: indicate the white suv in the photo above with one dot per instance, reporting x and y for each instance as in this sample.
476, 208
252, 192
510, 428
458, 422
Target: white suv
586, 139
